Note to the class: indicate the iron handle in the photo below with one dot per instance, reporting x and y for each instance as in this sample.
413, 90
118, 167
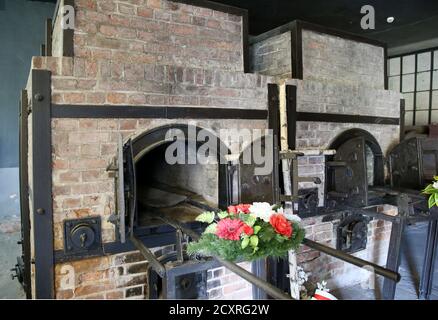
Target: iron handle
315, 180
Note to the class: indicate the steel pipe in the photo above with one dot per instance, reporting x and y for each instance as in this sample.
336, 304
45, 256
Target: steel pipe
271, 290
392, 275
150, 257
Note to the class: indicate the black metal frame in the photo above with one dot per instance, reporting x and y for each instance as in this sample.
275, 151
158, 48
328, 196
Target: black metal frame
40, 192
153, 112
48, 40
426, 282
371, 142
24, 193
346, 118
430, 90
157, 136
402, 119
43, 112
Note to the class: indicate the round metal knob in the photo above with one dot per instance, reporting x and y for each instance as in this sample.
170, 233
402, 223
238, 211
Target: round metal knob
39, 97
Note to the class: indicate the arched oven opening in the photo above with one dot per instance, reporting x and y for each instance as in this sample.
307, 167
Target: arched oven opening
167, 181
355, 173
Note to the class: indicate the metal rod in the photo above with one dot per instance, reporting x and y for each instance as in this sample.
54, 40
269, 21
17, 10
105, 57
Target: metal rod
150, 257
395, 276
274, 292
271, 290
202, 205
179, 247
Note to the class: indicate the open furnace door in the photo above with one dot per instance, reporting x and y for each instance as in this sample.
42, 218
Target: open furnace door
258, 179
350, 177
255, 187
126, 190
406, 166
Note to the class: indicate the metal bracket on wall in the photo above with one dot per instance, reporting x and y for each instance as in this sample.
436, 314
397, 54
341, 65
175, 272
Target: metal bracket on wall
293, 156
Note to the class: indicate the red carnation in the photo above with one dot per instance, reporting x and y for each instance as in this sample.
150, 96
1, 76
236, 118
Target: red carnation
249, 231
240, 208
244, 208
281, 225
232, 209
229, 229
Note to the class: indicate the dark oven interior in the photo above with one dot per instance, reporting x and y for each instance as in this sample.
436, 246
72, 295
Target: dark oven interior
177, 191
163, 179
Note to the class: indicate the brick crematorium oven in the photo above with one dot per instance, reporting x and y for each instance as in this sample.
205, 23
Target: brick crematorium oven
95, 118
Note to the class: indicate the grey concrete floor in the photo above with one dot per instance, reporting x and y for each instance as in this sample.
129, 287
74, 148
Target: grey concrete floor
413, 247
9, 250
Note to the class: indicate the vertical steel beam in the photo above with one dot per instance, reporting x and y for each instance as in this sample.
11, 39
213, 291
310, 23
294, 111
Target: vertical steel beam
394, 252
402, 119
48, 39
429, 261
24, 192
42, 184
259, 269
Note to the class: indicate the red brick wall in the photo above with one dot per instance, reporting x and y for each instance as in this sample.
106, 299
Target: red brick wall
137, 52
158, 32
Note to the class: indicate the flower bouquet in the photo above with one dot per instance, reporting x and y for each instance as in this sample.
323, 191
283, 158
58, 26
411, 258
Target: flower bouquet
432, 190
248, 232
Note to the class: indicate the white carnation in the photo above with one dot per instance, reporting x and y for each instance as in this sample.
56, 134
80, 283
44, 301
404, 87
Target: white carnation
293, 218
435, 185
262, 210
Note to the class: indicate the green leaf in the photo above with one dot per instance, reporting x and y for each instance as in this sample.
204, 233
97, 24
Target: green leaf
222, 214
436, 199
254, 240
280, 238
431, 201
257, 229
245, 242
430, 190
436, 178
249, 219
207, 217
211, 228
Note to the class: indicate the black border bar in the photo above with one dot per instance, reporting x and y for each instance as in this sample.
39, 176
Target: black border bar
345, 118
155, 112
41, 192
